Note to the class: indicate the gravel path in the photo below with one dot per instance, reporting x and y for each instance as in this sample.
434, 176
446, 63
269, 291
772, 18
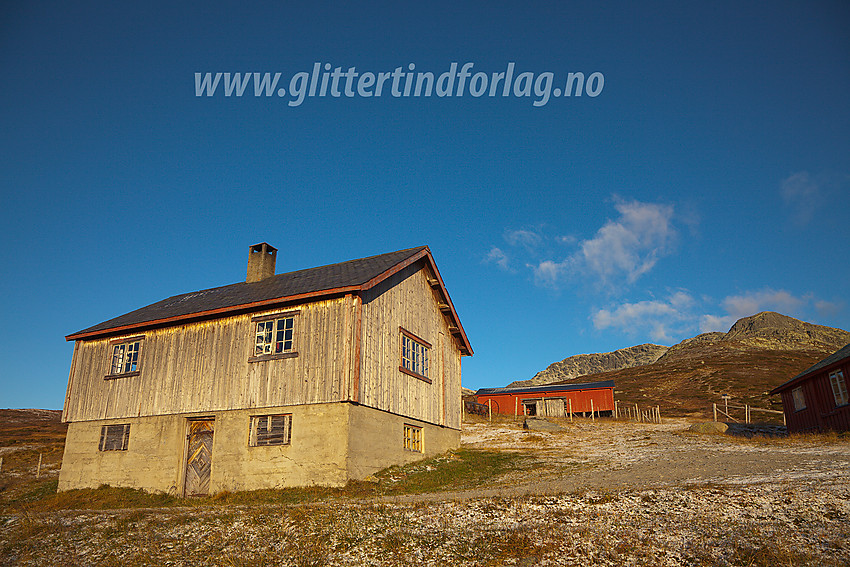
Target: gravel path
607, 494
609, 455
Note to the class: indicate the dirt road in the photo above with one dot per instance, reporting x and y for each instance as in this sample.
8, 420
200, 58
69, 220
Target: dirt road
613, 455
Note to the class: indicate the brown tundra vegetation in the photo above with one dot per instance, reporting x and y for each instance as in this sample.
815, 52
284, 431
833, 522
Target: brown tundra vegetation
599, 492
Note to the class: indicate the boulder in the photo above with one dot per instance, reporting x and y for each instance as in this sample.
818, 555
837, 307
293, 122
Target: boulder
540, 424
709, 427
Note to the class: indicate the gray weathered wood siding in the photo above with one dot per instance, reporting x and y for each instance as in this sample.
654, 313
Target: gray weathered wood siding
204, 366
407, 300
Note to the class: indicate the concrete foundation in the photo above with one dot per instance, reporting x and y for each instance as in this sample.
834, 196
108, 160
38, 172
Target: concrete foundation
330, 444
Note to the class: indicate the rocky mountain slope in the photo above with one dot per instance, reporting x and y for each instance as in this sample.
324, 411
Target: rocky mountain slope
757, 354
583, 364
767, 331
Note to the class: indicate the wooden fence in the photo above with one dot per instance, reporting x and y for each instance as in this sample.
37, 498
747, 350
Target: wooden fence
629, 412
748, 412
37, 470
633, 412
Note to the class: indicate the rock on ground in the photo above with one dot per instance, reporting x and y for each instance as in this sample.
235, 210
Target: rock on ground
540, 424
709, 427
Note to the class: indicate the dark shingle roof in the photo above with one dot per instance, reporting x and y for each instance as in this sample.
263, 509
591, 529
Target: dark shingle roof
313, 281
837, 356
548, 388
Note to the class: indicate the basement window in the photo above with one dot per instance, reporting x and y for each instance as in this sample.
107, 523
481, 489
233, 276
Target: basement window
412, 438
274, 336
799, 399
270, 430
414, 355
114, 437
839, 387
125, 357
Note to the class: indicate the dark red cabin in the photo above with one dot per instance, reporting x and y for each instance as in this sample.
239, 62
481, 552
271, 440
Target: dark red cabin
553, 400
817, 398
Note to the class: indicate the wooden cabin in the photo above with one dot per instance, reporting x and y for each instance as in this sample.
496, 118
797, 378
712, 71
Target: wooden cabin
553, 400
317, 376
817, 399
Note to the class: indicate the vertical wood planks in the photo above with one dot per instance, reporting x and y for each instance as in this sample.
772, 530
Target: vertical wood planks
204, 366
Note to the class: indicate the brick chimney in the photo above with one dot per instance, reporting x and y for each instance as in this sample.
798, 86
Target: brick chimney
261, 259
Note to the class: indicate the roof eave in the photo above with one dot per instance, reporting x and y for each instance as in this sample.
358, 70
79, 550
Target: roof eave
548, 388
426, 254
212, 312
806, 374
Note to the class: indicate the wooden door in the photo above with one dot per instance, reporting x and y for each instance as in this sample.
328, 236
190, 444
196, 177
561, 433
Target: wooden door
199, 460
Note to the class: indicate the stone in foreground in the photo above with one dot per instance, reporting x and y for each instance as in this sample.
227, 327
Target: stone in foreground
709, 427
539, 424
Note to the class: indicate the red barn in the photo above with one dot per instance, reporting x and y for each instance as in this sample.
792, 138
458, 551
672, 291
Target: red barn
554, 400
817, 399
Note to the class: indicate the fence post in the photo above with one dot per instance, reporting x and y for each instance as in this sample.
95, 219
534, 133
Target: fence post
615, 410
591, 411
490, 409
1, 464
637, 413
658, 413
714, 406
38, 470
516, 408
571, 410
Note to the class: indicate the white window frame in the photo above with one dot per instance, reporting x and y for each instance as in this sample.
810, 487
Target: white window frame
799, 398
412, 438
125, 357
270, 430
273, 336
115, 437
415, 354
839, 388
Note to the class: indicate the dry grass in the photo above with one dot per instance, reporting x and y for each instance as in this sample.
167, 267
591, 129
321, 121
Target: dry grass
707, 525
392, 522
686, 385
457, 470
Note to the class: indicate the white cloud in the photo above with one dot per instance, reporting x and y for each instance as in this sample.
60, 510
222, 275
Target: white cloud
549, 273
767, 299
660, 319
828, 308
631, 245
498, 257
681, 300
528, 239
803, 195
623, 249
680, 315
713, 323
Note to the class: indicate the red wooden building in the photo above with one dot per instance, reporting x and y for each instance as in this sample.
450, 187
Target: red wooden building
553, 400
817, 398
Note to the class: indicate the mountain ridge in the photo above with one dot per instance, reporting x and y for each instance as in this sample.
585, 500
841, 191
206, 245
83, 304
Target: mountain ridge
584, 364
757, 354
765, 330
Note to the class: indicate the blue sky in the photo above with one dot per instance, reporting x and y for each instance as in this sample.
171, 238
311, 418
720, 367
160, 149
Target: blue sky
708, 180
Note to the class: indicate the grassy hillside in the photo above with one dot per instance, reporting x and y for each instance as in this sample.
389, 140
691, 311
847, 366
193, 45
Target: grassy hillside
26, 434
688, 383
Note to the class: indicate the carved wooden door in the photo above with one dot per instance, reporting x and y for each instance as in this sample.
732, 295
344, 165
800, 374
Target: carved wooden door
199, 461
